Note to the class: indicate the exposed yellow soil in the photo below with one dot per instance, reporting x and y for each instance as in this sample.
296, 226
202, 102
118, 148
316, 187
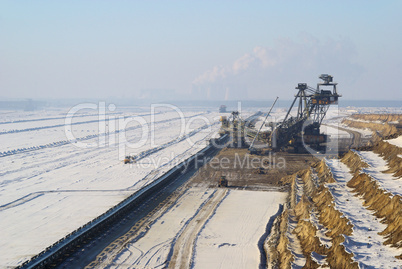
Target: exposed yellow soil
353, 161
324, 173
379, 117
383, 129
281, 257
384, 205
390, 154
318, 200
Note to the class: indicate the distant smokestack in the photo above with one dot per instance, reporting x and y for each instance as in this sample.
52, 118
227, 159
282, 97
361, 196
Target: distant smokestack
227, 93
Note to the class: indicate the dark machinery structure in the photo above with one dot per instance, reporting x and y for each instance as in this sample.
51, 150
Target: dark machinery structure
223, 182
294, 132
304, 128
256, 135
237, 124
234, 126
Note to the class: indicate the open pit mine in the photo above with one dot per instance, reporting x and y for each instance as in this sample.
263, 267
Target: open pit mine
313, 185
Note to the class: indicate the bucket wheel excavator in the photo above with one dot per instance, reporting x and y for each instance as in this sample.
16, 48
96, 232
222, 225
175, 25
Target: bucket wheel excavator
304, 128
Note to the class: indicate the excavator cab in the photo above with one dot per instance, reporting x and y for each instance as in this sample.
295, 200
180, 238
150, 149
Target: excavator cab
127, 160
223, 182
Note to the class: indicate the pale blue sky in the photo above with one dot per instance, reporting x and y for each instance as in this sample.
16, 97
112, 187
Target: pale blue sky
247, 49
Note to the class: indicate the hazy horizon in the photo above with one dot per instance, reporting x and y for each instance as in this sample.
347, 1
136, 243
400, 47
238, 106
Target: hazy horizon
210, 50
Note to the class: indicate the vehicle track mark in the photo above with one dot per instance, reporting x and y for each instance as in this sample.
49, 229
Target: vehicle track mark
184, 245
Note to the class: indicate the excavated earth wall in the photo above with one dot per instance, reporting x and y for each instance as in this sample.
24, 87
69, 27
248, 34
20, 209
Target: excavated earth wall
386, 118
391, 154
321, 229
384, 205
315, 199
382, 125
383, 129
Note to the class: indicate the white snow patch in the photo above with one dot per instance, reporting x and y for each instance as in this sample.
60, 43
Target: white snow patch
377, 164
229, 239
321, 230
364, 132
48, 192
299, 187
294, 244
365, 243
152, 250
396, 141
334, 132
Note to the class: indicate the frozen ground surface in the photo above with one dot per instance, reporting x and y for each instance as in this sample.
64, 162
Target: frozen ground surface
364, 132
396, 141
365, 243
334, 133
50, 185
220, 229
229, 238
377, 166
299, 260
153, 249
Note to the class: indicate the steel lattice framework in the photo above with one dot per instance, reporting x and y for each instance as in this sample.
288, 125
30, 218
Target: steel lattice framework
313, 105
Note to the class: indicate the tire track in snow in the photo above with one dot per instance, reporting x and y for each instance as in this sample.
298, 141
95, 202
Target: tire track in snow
61, 125
80, 139
194, 252
178, 158
146, 153
183, 247
148, 178
110, 254
55, 118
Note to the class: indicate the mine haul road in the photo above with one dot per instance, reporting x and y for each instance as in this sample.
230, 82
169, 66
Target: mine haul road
184, 245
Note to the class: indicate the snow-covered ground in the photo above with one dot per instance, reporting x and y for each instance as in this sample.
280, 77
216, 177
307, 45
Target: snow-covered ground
153, 249
364, 132
220, 228
50, 185
229, 238
377, 166
334, 133
396, 141
264, 127
365, 243
336, 114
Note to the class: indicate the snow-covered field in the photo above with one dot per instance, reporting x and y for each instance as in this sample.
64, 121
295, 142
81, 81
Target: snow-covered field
51, 185
334, 133
364, 132
153, 249
396, 141
230, 237
216, 228
55, 178
365, 243
376, 169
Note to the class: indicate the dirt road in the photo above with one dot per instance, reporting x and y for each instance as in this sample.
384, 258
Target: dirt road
356, 137
183, 247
